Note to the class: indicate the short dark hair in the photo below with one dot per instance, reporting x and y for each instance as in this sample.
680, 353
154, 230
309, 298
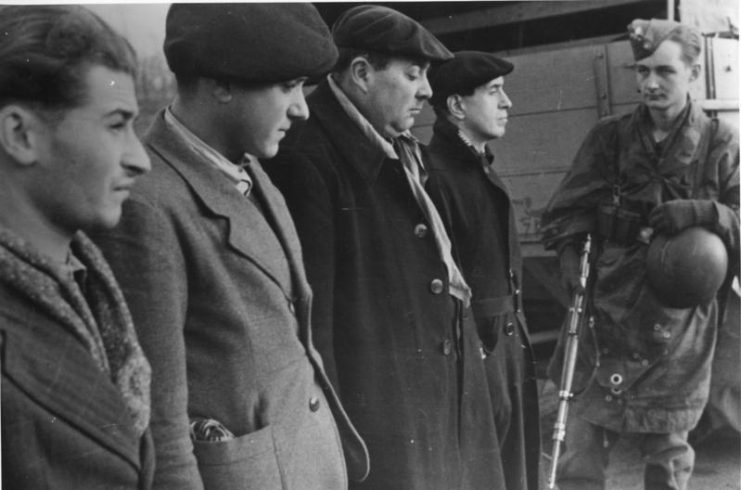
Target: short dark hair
689, 40
46, 50
440, 106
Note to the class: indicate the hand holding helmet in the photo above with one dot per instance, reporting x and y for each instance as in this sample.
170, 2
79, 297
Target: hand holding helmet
671, 217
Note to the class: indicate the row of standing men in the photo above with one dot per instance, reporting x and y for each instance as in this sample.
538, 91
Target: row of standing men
372, 337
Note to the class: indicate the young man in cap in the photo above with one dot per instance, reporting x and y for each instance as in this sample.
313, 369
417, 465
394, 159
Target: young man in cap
391, 317
471, 108
209, 259
644, 368
75, 383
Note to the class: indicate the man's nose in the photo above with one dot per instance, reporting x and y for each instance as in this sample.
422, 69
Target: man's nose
135, 158
298, 108
506, 102
425, 90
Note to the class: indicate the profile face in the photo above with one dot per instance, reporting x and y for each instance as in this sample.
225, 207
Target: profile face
664, 78
90, 157
259, 117
486, 111
396, 95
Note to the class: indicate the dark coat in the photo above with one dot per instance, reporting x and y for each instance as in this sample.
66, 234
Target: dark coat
222, 307
475, 206
64, 423
645, 366
404, 354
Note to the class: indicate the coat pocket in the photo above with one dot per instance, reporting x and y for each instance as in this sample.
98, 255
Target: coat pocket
245, 462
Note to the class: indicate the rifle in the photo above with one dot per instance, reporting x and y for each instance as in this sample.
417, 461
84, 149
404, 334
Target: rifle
575, 321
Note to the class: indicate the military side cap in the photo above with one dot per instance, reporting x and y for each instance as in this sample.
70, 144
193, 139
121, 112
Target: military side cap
384, 30
466, 71
647, 35
251, 42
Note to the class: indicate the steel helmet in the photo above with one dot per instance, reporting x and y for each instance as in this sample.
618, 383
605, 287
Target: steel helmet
688, 268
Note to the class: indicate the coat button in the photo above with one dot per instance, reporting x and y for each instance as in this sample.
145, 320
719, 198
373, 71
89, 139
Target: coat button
420, 231
436, 286
447, 347
292, 307
509, 329
314, 404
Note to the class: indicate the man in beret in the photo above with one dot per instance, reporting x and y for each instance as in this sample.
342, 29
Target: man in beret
471, 108
391, 316
644, 367
209, 260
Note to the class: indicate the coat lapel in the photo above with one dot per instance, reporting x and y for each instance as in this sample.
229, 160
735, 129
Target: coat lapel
60, 375
248, 233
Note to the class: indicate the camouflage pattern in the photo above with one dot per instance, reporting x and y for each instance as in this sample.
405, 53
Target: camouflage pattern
644, 367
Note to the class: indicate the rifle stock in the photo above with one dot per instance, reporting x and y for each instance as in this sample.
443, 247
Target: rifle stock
575, 321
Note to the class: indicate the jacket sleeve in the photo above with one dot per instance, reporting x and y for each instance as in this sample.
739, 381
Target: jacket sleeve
572, 210
309, 201
148, 263
725, 151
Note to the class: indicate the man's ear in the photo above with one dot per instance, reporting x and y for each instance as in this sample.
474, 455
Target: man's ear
20, 133
361, 73
456, 107
220, 90
696, 70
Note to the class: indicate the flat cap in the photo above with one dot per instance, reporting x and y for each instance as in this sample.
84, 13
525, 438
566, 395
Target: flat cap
466, 71
647, 35
252, 42
384, 30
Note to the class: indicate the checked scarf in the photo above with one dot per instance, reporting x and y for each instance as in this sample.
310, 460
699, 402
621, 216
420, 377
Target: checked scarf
100, 319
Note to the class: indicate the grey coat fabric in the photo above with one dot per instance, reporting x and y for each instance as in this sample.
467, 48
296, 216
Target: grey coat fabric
222, 306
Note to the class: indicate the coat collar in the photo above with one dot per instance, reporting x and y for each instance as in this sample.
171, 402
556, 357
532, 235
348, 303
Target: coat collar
448, 140
218, 194
364, 155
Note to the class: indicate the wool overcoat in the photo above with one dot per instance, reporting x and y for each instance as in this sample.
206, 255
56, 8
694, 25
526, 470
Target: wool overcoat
221, 303
475, 206
404, 354
644, 367
65, 425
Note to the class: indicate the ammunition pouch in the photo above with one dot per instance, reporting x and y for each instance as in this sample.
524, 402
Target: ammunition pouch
618, 225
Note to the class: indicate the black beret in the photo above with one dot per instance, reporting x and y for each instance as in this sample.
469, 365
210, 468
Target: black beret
384, 30
252, 42
646, 35
466, 71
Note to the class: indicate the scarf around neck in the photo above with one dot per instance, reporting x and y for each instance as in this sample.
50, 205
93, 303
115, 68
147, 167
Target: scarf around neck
100, 319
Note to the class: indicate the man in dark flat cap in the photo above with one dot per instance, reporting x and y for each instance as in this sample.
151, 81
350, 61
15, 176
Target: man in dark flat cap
644, 368
210, 263
391, 316
471, 108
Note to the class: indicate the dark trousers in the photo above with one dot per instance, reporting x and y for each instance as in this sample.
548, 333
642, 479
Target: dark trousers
668, 458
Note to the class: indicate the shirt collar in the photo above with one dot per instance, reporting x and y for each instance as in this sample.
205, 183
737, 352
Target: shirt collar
359, 119
235, 173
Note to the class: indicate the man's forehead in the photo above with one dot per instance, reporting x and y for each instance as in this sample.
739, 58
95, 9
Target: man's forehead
110, 90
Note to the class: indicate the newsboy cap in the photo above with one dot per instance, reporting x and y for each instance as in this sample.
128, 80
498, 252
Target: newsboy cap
384, 30
466, 71
251, 42
646, 35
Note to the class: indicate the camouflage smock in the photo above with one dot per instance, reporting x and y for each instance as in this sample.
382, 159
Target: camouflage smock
652, 362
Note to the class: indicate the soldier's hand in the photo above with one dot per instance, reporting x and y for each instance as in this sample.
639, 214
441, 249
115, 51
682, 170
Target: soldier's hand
672, 217
570, 274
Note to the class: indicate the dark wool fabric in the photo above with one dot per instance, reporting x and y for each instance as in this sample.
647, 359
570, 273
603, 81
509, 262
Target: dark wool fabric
250, 42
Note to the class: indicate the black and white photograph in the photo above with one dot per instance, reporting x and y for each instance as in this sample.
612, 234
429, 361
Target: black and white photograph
407, 245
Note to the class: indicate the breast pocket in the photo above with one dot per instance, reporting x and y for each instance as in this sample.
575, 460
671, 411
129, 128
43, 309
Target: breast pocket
245, 462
